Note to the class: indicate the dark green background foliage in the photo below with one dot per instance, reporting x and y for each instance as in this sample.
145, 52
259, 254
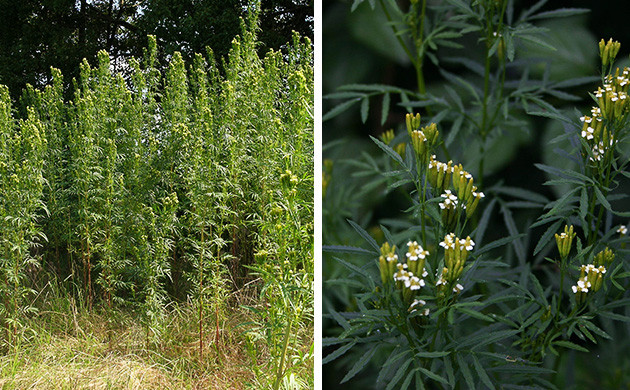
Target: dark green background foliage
38, 35
366, 74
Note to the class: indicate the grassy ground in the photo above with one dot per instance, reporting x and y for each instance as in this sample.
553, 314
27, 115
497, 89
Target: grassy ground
71, 348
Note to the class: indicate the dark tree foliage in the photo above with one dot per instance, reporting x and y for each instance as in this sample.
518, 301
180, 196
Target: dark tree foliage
279, 18
38, 35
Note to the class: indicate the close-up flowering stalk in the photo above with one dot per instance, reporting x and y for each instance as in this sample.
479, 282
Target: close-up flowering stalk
564, 241
608, 51
388, 262
439, 174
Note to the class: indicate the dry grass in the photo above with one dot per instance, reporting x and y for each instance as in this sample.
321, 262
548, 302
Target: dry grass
96, 354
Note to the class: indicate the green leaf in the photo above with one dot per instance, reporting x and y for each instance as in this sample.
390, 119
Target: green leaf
602, 199
536, 40
338, 352
485, 338
436, 354
433, 375
481, 372
385, 108
448, 366
560, 13
519, 249
365, 108
352, 268
366, 236
483, 222
361, 363
522, 193
498, 243
463, 367
538, 288
546, 237
475, 314
399, 374
338, 109
346, 249
390, 152
614, 316
583, 203
389, 365
570, 345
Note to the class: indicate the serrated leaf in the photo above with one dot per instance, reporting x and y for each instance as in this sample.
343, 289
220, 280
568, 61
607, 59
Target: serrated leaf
389, 151
436, 354
498, 243
448, 366
385, 108
538, 288
360, 364
346, 249
560, 13
481, 372
433, 375
352, 267
522, 193
547, 235
475, 314
570, 345
486, 338
454, 130
337, 353
614, 316
519, 249
602, 199
365, 108
536, 40
338, 109
366, 236
463, 367
483, 222
398, 376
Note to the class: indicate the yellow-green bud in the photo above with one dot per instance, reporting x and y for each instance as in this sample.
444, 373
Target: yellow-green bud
472, 204
604, 258
608, 51
413, 122
401, 149
431, 134
564, 241
418, 141
387, 263
387, 136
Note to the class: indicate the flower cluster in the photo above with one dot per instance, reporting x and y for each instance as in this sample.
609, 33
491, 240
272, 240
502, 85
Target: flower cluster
592, 275
423, 139
623, 230
449, 209
613, 106
416, 305
439, 176
409, 276
608, 51
456, 252
564, 240
388, 262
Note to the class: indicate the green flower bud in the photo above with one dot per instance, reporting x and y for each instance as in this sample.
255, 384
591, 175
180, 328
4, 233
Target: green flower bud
387, 263
387, 136
564, 241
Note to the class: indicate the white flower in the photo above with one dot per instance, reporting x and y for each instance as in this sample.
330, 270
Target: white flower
622, 229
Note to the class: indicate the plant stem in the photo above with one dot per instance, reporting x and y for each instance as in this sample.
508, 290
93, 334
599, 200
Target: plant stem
285, 346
